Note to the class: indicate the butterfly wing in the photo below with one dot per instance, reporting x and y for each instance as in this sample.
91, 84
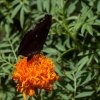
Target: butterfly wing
34, 39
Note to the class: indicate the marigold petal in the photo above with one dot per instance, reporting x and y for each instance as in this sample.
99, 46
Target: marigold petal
36, 73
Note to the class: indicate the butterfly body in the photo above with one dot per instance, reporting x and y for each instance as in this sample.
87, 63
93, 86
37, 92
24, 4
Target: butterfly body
34, 39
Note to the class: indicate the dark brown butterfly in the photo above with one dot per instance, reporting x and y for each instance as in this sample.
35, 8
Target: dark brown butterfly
33, 40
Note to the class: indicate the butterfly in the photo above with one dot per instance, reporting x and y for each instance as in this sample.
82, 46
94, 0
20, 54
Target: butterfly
34, 39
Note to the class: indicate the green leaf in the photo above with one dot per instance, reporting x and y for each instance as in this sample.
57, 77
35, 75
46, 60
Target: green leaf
9, 19
69, 75
39, 5
98, 7
96, 59
60, 47
69, 87
91, 20
13, 36
58, 70
84, 94
64, 97
2, 75
90, 59
97, 22
68, 54
7, 28
53, 3
15, 2
4, 45
5, 51
46, 5
71, 8
88, 78
78, 24
22, 17
81, 63
26, 9
15, 40
15, 11
6, 70
80, 73
89, 29
83, 28
50, 50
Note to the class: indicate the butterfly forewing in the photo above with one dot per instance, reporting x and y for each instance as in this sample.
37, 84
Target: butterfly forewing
34, 39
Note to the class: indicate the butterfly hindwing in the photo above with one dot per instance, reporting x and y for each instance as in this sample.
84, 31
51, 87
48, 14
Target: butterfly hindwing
34, 39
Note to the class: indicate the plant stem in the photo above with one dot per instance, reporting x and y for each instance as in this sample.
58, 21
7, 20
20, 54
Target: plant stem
13, 50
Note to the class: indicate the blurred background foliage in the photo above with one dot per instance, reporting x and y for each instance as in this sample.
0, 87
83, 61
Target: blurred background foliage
73, 43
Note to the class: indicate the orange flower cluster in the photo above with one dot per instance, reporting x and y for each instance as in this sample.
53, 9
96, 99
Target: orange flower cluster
37, 73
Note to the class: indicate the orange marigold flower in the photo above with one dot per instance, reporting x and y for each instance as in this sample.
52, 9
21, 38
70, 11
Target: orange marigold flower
37, 73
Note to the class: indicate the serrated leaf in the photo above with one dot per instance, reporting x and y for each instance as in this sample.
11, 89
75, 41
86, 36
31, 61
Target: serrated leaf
60, 47
50, 50
15, 40
53, 3
2, 75
80, 73
9, 19
98, 7
4, 64
96, 59
81, 63
88, 78
68, 54
7, 28
69, 75
13, 36
84, 7
15, 11
46, 5
64, 97
90, 60
22, 17
83, 28
84, 94
58, 71
77, 25
68, 42
15, 2
4, 45
39, 5
91, 20
6, 70
89, 29
6, 51
69, 87
71, 8
26, 9
97, 22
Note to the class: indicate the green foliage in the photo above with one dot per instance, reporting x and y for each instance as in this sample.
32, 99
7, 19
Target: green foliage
73, 43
